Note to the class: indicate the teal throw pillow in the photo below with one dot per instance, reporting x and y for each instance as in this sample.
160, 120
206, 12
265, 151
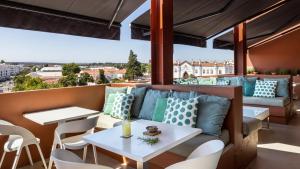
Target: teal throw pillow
151, 96
282, 86
181, 112
122, 105
109, 90
212, 110
159, 110
248, 87
139, 94
108, 105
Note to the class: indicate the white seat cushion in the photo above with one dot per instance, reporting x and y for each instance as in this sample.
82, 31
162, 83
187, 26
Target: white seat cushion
74, 142
106, 121
14, 142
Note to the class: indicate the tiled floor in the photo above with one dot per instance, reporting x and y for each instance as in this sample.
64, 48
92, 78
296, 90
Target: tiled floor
279, 148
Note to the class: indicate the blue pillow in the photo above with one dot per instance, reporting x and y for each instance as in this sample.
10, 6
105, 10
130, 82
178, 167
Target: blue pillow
248, 87
212, 110
139, 94
234, 81
180, 95
147, 110
282, 86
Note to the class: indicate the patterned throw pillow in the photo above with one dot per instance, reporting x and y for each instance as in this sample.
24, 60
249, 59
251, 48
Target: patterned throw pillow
122, 105
181, 112
265, 89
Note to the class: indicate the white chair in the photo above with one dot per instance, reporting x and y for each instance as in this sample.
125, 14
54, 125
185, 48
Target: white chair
19, 138
64, 159
206, 156
74, 142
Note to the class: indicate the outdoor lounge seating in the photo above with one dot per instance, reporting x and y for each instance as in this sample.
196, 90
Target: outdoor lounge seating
280, 106
184, 149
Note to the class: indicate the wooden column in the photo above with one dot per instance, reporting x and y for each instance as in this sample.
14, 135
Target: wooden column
240, 49
162, 41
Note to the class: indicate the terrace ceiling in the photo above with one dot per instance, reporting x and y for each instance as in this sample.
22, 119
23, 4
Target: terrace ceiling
90, 18
195, 21
261, 28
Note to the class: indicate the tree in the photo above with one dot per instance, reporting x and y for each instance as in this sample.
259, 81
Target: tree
102, 79
23, 82
133, 67
71, 68
2, 61
84, 79
69, 80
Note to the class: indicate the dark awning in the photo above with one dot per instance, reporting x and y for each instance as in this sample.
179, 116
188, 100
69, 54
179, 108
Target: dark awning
93, 18
197, 20
284, 17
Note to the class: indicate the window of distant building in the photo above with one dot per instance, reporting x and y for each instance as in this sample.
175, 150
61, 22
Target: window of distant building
196, 71
220, 72
175, 70
203, 71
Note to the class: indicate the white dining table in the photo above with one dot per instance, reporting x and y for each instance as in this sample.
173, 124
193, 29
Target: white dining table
135, 148
59, 115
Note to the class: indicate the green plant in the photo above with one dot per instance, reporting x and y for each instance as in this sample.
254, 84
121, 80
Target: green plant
150, 141
283, 72
250, 70
268, 73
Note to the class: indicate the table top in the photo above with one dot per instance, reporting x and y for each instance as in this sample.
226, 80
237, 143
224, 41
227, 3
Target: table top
59, 115
136, 149
256, 112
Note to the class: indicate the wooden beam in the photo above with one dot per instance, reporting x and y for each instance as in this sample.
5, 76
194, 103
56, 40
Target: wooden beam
240, 49
162, 41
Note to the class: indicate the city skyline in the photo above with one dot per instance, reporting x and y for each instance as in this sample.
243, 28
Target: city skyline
33, 46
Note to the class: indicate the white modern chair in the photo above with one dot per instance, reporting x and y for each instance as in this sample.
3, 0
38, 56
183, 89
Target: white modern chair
19, 138
64, 159
74, 142
206, 156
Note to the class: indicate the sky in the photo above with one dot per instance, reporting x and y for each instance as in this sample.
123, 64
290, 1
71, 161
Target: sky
32, 46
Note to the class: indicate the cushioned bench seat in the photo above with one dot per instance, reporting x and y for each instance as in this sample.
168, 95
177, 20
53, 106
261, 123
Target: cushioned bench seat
277, 101
106, 121
250, 125
186, 148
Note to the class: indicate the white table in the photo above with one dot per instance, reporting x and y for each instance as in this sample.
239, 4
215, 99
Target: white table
260, 113
60, 115
136, 149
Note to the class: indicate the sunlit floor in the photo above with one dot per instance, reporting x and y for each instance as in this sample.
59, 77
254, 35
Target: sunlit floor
279, 148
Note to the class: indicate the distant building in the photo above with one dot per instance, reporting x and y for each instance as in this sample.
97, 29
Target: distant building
6, 71
109, 72
48, 74
186, 69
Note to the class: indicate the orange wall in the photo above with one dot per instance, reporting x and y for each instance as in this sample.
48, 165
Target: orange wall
283, 53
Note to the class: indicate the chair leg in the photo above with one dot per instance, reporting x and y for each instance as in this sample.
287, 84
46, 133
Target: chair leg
84, 153
95, 154
2, 158
29, 155
42, 156
50, 159
18, 154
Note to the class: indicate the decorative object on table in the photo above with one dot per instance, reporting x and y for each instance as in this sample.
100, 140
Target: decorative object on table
126, 129
150, 141
150, 136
